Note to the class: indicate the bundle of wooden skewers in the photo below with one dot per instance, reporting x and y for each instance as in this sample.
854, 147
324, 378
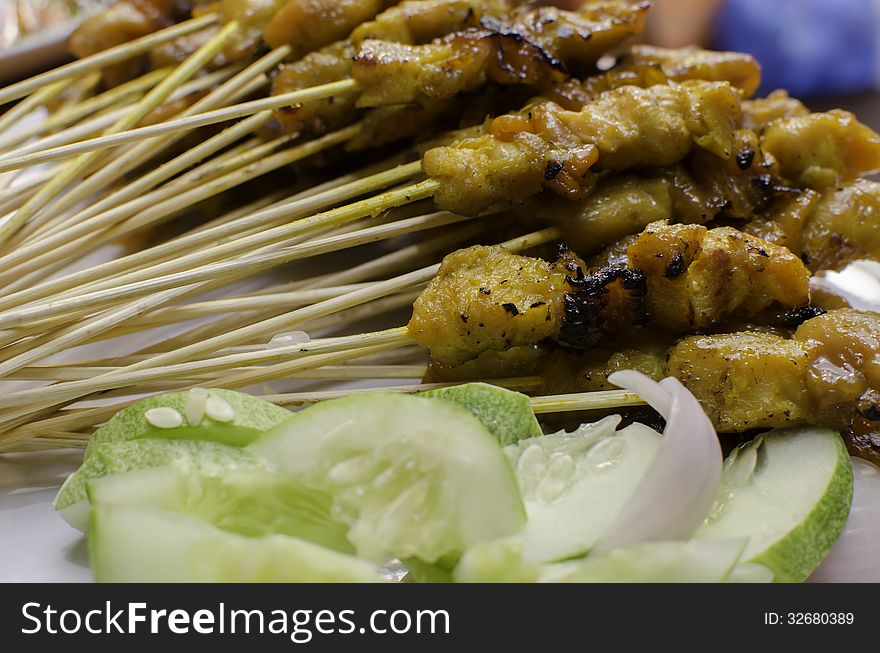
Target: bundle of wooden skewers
303, 193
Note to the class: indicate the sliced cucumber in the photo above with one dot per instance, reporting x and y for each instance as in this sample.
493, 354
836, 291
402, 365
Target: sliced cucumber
134, 544
789, 493
107, 458
250, 502
708, 561
412, 477
241, 418
506, 414
575, 484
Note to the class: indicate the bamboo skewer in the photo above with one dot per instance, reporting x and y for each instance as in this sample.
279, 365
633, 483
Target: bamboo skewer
541, 405
25, 403
232, 112
49, 344
228, 270
153, 99
215, 177
111, 272
325, 373
26, 106
320, 309
106, 58
245, 82
391, 263
80, 110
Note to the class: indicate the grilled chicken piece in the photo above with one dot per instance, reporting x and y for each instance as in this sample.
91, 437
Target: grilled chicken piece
525, 360
554, 148
844, 226
760, 112
324, 66
486, 298
827, 230
698, 277
421, 21
678, 278
120, 23
741, 70
745, 380
827, 373
536, 47
307, 25
412, 22
703, 187
844, 373
820, 150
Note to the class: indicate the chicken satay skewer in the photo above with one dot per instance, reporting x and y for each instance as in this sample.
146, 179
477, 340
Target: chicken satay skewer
528, 32
107, 57
394, 263
25, 403
153, 99
37, 349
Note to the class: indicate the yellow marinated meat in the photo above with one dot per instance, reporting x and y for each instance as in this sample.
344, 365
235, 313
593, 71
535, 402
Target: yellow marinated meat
564, 371
412, 22
524, 360
745, 380
308, 25
329, 64
574, 93
529, 46
760, 112
397, 73
827, 230
120, 23
659, 125
577, 38
782, 223
702, 188
421, 21
486, 298
820, 150
699, 277
844, 372
844, 226
484, 173
618, 207
629, 126
740, 69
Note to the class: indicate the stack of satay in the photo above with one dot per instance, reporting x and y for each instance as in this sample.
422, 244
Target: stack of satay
677, 225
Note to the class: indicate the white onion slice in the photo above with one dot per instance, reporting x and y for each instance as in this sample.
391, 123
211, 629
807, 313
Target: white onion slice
680, 486
855, 557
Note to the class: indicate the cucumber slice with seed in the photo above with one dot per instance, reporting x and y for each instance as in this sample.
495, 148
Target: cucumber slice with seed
412, 477
250, 418
575, 484
788, 492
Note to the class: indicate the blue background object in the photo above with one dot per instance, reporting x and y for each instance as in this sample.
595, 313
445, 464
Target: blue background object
809, 47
